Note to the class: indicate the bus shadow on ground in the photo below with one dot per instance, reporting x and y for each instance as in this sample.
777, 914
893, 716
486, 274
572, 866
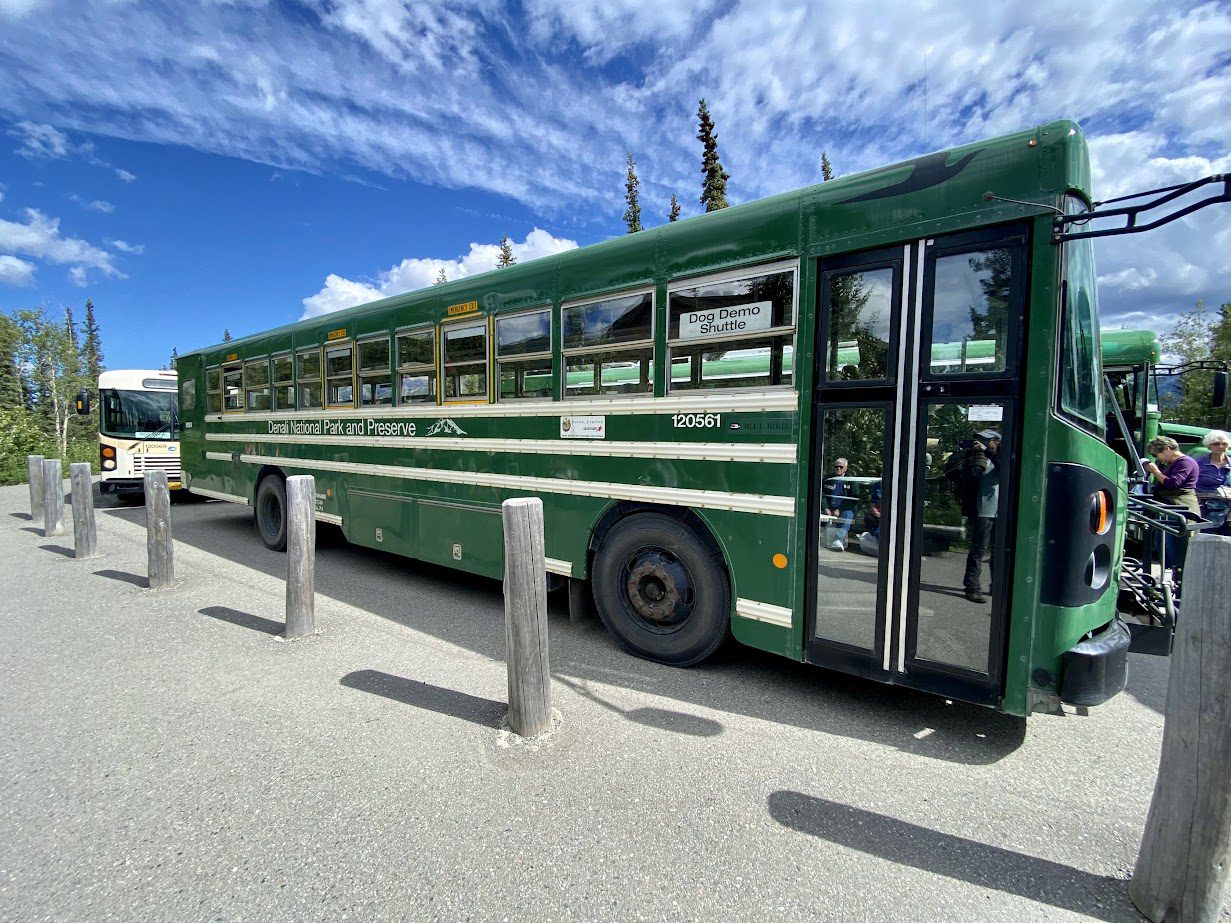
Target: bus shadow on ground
902, 843
468, 611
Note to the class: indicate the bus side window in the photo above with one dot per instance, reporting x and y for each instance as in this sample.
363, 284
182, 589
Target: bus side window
523, 355
417, 366
284, 384
733, 331
213, 390
464, 348
375, 379
188, 394
308, 376
256, 385
340, 375
233, 388
609, 346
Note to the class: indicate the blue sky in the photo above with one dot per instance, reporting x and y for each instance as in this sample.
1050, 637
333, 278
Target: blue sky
239, 163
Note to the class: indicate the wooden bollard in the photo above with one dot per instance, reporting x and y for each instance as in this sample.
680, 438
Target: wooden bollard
53, 498
1183, 864
525, 617
34, 472
159, 547
300, 556
85, 531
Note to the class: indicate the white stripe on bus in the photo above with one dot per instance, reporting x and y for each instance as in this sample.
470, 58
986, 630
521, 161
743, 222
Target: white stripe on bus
763, 612
781, 454
556, 566
749, 402
218, 495
704, 499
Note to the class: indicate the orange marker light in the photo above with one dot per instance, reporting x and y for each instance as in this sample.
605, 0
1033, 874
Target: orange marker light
780, 560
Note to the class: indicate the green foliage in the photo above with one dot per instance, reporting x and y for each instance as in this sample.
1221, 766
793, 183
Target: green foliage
20, 435
441, 278
12, 389
50, 357
1197, 336
632, 213
674, 214
92, 347
226, 336
506, 257
826, 168
714, 184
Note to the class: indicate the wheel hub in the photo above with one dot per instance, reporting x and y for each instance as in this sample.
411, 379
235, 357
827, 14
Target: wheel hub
659, 588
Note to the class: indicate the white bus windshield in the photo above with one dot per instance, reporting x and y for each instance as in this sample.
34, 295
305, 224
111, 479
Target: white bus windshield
139, 414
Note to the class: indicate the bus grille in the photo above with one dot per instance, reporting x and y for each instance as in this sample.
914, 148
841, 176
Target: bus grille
144, 463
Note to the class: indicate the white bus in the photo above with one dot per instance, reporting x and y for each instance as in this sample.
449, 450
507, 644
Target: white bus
138, 428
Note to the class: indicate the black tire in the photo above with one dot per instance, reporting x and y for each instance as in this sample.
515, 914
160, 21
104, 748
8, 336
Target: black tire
270, 512
662, 593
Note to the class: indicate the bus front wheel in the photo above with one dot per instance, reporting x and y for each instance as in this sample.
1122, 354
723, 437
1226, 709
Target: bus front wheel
270, 512
661, 592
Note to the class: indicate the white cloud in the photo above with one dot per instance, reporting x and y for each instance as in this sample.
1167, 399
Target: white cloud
97, 205
16, 272
416, 273
124, 246
15, 9
125, 175
40, 142
40, 237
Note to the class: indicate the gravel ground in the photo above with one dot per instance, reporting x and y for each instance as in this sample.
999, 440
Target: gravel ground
167, 757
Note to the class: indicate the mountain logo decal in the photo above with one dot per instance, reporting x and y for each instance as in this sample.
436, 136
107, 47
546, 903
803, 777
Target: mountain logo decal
446, 426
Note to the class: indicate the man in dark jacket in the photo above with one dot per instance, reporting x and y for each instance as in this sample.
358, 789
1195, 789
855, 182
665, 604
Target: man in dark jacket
975, 467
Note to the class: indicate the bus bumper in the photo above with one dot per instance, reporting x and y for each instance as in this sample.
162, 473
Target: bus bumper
129, 486
1097, 668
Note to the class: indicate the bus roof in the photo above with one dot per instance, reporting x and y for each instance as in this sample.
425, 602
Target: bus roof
137, 379
913, 197
1130, 347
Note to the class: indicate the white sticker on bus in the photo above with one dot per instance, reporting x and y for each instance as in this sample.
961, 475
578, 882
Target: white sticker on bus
737, 318
991, 413
583, 427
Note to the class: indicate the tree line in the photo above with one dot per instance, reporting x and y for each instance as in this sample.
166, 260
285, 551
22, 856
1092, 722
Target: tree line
1198, 334
46, 357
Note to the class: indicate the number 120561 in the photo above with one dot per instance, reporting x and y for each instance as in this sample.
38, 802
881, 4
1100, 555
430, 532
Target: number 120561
696, 420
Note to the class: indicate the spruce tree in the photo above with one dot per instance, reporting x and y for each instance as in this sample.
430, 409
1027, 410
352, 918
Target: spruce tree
632, 211
175, 357
714, 184
826, 168
226, 336
441, 278
674, 214
92, 349
506, 257
12, 392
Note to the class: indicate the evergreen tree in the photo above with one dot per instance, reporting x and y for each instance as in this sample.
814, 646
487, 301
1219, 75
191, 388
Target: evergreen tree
441, 278
226, 336
92, 349
70, 328
674, 214
826, 168
175, 357
12, 390
506, 257
632, 213
714, 184
1197, 336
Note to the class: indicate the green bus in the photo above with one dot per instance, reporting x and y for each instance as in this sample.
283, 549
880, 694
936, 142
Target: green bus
743, 424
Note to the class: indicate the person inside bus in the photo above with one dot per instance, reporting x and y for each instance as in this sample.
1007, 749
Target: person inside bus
975, 469
1176, 483
840, 503
1214, 482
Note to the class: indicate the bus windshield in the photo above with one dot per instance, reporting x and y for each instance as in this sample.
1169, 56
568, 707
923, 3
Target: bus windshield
139, 414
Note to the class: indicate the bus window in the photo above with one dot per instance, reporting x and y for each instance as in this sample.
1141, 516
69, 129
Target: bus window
309, 378
213, 390
375, 379
860, 313
284, 384
256, 385
340, 375
233, 388
1081, 392
608, 346
733, 333
971, 312
417, 367
465, 362
523, 355
188, 396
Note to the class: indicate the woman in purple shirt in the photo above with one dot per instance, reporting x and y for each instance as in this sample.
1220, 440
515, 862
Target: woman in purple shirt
1214, 482
1175, 482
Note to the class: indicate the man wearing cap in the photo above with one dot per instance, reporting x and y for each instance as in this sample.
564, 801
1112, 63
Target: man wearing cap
977, 473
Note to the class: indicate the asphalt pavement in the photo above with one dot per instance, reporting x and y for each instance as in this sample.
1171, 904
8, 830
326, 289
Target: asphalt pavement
167, 757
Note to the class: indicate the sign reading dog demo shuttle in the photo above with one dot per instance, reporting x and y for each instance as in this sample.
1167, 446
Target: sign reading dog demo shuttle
732, 319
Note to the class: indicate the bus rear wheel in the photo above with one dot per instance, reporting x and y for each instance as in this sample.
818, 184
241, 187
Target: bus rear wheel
661, 592
270, 512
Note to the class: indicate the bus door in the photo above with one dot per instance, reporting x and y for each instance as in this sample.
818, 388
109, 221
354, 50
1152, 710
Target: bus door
914, 461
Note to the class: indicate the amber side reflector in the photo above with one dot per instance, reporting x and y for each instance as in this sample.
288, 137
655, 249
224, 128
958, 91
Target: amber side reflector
1100, 512
780, 561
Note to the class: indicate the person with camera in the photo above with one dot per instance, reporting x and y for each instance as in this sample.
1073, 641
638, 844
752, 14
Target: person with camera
975, 469
1214, 482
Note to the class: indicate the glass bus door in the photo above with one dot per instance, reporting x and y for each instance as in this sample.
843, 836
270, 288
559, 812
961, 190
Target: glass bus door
914, 459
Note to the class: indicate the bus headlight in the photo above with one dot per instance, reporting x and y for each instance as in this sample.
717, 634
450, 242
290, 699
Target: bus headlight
108, 464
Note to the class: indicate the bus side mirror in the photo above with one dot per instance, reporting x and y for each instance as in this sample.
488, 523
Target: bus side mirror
83, 403
1220, 390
